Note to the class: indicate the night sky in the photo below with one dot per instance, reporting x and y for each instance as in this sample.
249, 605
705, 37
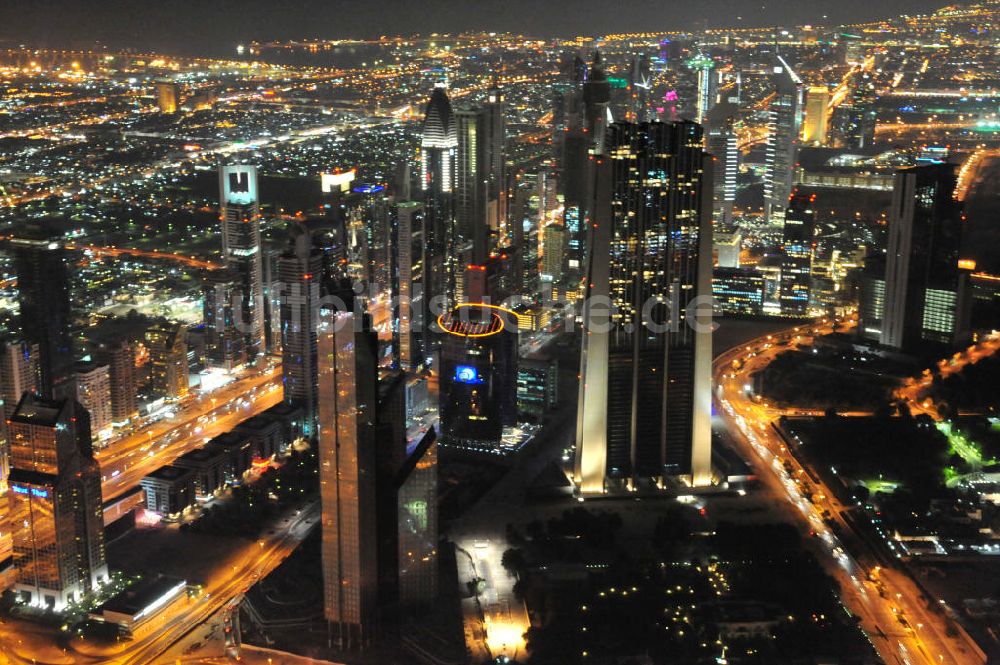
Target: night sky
214, 26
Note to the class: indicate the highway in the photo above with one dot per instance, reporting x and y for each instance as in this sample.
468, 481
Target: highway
887, 602
128, 459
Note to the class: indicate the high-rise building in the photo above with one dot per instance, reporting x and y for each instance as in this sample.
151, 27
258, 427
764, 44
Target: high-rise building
478, 376
796, 254
438, 158
496, 147
300, 269
347, 416
784, 125
708, 85
727, 244
925, 289
409, 298
93, 390
43, 297
645, 394
168, 359
55, 500
871, 298
471, 241
221, 301
241, 249
18, 375
168, 96
596, 98
56, 509
417, 523
554, 247
121, 361
815, 124
738, 291
722, 144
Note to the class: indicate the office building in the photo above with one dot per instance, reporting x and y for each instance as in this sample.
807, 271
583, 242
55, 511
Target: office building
471, 241
93, 391
168, 96
347, 416
417, 523
796, 254
925, 289
554, 251
727, 245
56, 511
168, 359
438, 158
18, 375
645, 392
300, 269
871, 298
721, 142
478, 376
708, 85
170, 490
814, 127
408, 290
738, 291
596, 98
241, 250
124, 381
784, 125
537, 385
222, 296
497, 178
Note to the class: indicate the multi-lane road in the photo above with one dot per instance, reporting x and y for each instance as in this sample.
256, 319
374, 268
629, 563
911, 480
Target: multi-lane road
128, 459
888, 603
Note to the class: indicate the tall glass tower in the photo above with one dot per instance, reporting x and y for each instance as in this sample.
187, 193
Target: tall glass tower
784, 124
645, 397
241, 249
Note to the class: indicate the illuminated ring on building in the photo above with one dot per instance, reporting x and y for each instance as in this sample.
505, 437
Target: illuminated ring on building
493, 329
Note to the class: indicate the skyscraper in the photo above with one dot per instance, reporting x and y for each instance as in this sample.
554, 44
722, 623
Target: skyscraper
168, 359
496, 146
241, 249
168, 96
438, 156
43, 297
472, 183
720, 130
796, 254
93, 390
300, 269
56, 509
121, 360
478, 376
815, 125
55, 499
596, 97
409, 298
221, 301
708, 85
784, 124
18, 375
347, 415
645, 394
925, 290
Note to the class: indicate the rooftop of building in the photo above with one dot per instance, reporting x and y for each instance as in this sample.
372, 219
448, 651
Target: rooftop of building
144, 596
169, 472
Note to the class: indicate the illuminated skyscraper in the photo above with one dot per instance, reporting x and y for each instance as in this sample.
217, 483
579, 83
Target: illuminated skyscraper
496, 144
221, 298
56, 513
18, 375
784, 125
168, 96
796, 255
438, 157
55, 500
645, 394
93, 390
347, 417
168, 360
300, 270
472, 186
121, 360
409, 298
722, 144
925, 290
814, 127
478, 376
417, 523
241, 249
708, 85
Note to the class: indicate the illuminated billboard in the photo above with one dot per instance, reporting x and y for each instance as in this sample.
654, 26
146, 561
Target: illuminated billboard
466, 374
